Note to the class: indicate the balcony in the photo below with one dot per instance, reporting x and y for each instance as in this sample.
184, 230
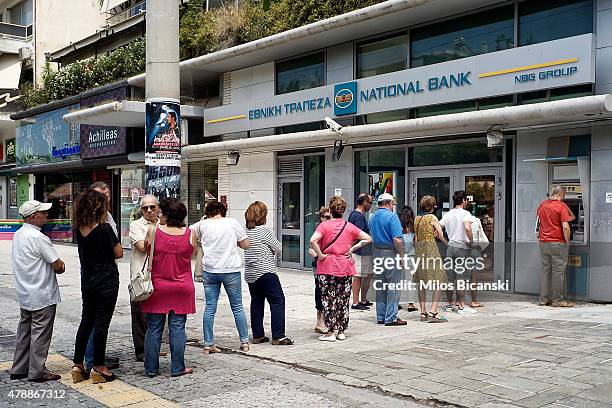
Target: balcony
127, 13
13, 37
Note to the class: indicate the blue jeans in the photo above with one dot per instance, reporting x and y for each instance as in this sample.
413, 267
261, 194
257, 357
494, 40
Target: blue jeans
387, 301
89, 352
212, 287
177, 336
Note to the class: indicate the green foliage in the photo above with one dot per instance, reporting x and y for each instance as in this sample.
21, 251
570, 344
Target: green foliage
86, 74
201, 32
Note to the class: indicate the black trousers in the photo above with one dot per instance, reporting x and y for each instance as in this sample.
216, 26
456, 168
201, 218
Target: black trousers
139, 328
98, 308
267, 287
318, 302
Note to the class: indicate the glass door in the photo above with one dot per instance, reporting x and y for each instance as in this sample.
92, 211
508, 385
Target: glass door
436, 184
483, 188
290, 222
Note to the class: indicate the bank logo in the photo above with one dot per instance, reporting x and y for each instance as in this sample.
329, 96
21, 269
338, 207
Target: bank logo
345, 99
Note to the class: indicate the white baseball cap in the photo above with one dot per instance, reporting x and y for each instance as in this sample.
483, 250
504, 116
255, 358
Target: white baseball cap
30, 207
385, 197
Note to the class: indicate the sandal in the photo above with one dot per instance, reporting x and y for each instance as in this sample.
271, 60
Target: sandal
211, 349
98, 377
424, 317
436, 318
476, 304
411, 308
185, 371
320, 330
244, 347
78, 376
260, 340
285, 341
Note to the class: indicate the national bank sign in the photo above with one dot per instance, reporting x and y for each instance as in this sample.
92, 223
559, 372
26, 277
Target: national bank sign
565, 62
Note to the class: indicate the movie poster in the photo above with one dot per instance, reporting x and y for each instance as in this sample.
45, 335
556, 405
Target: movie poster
382, 182
163, 149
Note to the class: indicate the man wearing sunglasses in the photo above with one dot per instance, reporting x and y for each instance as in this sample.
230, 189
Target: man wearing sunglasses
149, 207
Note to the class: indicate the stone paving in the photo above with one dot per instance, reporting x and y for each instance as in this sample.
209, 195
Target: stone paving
512, 353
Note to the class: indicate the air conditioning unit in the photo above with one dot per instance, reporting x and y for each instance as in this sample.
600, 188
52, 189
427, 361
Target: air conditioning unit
26, 53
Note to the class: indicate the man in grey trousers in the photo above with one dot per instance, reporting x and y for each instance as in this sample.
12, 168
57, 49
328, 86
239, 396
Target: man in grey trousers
35, 265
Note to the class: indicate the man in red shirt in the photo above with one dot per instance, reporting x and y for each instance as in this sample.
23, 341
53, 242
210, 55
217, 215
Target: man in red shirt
554, 235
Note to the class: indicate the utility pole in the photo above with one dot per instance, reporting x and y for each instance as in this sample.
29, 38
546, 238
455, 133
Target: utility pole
162, 92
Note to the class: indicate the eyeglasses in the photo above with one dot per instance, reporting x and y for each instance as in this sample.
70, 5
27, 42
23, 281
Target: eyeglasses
148, 207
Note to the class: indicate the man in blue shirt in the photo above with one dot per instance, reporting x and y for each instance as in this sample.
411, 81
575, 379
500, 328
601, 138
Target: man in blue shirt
386, 231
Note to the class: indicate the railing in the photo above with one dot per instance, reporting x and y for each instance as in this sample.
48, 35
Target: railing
125, 14
15, 30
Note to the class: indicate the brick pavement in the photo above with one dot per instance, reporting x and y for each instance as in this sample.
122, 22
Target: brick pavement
511, 353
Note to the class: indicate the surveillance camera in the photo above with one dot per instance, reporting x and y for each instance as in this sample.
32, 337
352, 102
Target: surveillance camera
333, 125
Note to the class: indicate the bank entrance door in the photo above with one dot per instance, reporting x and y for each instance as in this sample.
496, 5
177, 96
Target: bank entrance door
290, 221
483, 187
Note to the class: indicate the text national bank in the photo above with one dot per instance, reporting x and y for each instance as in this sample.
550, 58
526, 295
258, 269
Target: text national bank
366, 95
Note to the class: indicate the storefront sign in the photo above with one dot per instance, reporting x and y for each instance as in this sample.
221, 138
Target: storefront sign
23, 190
100, 141
38, 138
10, 150
553, 64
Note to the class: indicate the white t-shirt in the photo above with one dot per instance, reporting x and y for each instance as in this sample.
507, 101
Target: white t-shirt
453, 222
35, 280
219, 237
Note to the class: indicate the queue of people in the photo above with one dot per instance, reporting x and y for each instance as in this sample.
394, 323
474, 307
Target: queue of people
346, 256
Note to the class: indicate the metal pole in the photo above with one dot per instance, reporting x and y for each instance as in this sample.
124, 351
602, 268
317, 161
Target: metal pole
162, 90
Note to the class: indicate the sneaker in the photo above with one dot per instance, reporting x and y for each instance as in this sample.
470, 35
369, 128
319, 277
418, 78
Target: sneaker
449, 308
359, 306
469, 309
341, 336
367, 303
465, 310
325, 337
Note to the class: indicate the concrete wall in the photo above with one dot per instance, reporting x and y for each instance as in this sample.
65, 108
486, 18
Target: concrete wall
57, 23
253, 179
603, 71
600, 254
340, 63
340, 175
252, 83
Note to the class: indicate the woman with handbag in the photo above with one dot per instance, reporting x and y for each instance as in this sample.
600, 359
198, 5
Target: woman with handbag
98, 248
172, 245
335, 267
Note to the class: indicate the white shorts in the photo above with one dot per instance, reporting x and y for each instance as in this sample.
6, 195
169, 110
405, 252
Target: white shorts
363, 265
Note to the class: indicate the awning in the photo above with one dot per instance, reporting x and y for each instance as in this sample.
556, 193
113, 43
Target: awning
113, 3
9, 76
574, 110
74, 165
124, 113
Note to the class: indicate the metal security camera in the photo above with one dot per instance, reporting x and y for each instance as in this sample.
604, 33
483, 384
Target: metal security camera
333, 125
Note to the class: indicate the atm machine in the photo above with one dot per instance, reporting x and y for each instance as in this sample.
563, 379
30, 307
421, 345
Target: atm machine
572, 177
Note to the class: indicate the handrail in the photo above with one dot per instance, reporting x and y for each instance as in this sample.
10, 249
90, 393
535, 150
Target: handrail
125, 14
15, 30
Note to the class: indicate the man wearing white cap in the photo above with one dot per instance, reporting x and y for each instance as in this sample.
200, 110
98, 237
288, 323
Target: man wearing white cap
35, 264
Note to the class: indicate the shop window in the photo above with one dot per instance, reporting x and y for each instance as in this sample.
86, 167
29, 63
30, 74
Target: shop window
453, 154
541, 21
382, 56
495, 102
389, 116
488, 31
446, 108
132, 191
381, 171
532, 97
314, 197
203, 187
300, 127
571, 92
300, 73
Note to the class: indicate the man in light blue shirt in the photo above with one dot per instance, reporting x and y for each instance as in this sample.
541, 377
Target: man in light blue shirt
386, 231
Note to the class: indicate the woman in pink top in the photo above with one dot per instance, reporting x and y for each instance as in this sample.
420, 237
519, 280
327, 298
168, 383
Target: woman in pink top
174, 293
334, 243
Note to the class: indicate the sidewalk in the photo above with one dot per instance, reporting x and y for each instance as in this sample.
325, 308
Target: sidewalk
511, 353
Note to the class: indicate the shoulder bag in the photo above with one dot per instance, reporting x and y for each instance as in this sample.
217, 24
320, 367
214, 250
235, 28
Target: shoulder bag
332, 241
141, 286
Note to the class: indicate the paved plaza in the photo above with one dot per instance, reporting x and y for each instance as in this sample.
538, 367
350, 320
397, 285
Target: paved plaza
511, 353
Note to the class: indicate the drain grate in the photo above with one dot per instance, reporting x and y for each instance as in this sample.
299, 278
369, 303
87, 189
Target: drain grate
7, 338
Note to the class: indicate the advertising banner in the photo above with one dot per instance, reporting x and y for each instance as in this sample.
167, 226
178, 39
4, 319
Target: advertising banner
163, 149
102, 141
10, 150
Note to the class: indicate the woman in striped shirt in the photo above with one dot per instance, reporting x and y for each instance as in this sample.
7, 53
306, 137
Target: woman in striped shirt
262, 278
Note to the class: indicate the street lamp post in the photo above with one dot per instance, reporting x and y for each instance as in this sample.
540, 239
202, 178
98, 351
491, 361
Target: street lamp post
162, 91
